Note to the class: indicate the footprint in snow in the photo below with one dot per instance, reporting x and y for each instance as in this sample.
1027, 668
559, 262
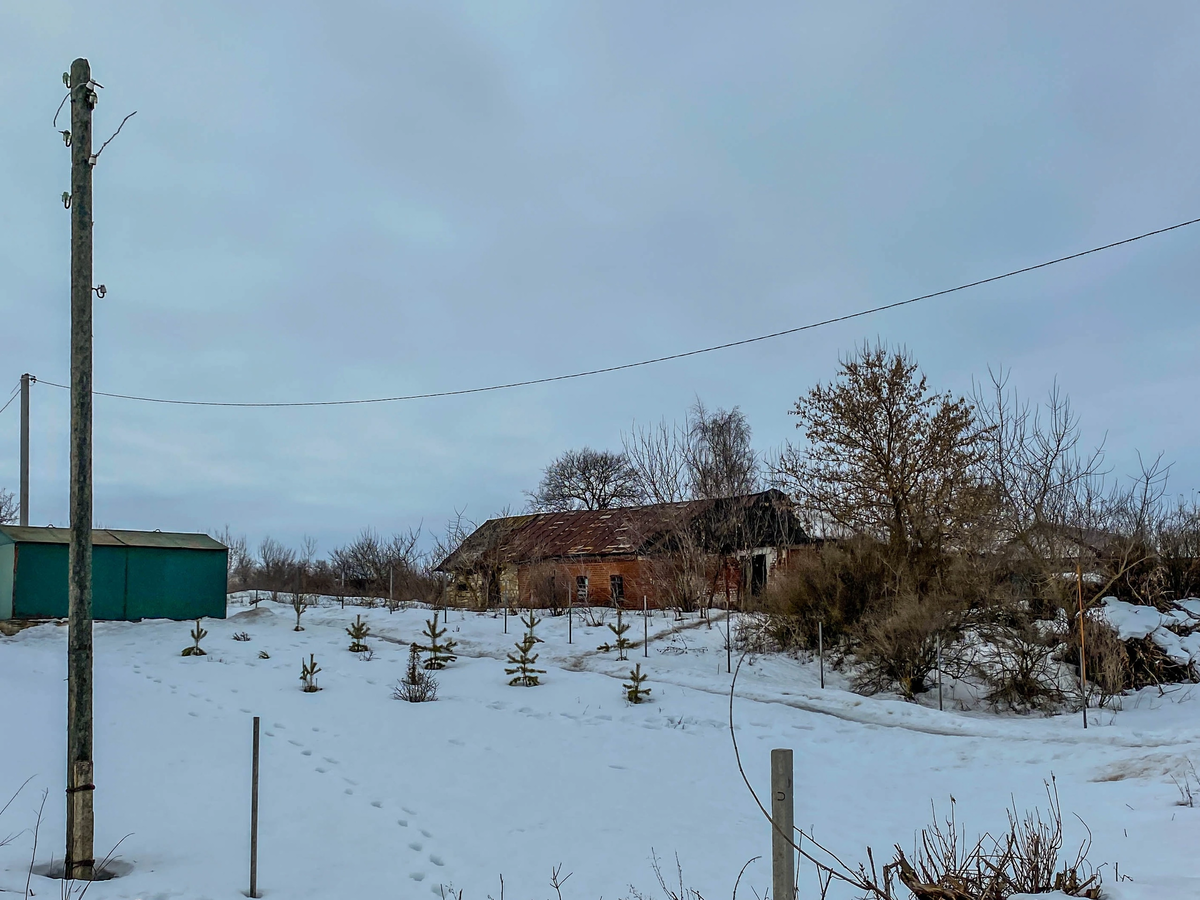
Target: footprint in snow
269, 733
403, 823
330, 760
456, 742
435, 859
278, 725
378, 804
306, 753
407, 810
194, 715
416, 845
498, 704
244, 710
417, 876
294, 742
425, 833
349, 791
322, 770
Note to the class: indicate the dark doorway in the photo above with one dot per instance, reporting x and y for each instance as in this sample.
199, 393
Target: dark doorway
758, 573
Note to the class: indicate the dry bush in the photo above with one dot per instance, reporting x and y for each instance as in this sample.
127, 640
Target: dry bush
834, 587
1019, 665
548, 587
1026, 859
898, 648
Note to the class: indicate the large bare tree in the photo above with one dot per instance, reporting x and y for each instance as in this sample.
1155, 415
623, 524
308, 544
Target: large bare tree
886, 457
720, 459
587, 479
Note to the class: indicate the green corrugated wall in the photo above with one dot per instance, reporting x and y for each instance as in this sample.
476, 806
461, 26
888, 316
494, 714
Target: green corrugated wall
127, 582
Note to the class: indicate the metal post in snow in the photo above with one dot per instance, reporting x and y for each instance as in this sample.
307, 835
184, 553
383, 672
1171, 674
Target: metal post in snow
1082, 646
939, 671
254, 815
783, 860
821, 650
645, 627
570, 609
391, 596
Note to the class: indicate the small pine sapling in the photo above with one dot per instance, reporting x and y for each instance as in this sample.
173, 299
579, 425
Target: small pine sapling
198, 634
523, 672
241, 636
308, 674
263, 654
439, 654
417, 686
299, 604
634, 692
358, 635
623, 643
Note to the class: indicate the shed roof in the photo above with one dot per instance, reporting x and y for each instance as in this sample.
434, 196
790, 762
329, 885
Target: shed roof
763, 519
109, 537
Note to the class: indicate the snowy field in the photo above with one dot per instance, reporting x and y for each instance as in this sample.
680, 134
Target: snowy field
364, 796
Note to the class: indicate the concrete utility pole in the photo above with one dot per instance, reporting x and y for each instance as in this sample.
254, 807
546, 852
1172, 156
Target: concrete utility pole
25, 379
80, 858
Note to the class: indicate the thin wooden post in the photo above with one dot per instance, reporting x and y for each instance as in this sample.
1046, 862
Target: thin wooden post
821, 650
254, 816
783, 812
1082, 646
391, 593
505, 615
80, 858
645, 628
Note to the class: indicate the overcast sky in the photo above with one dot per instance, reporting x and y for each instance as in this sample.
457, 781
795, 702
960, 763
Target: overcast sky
334, 200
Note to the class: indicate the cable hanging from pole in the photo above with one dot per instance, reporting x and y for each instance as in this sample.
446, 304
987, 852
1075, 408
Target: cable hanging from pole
645, 362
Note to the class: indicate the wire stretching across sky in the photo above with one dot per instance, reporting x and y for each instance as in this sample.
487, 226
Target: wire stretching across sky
11, 397
656, 360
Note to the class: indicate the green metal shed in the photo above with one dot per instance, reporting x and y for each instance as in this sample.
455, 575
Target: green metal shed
135, 574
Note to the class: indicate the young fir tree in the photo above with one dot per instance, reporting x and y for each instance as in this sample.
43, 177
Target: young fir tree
440, 654
417, 686
358, 635
622, 644
198, 634
308, 674
523, 672
634, 692
530, 623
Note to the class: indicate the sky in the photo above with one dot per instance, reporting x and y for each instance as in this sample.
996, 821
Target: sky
323, 201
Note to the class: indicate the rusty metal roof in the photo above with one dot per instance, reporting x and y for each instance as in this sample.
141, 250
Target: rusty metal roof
109, 537
617, 532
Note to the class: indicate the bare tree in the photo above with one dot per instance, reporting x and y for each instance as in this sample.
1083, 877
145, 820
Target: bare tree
587, 479
887, 458
240, 566
659, 456
720, 459
9, 507
276, 564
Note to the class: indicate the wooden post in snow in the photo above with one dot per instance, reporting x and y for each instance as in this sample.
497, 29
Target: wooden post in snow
783, 812
645, 627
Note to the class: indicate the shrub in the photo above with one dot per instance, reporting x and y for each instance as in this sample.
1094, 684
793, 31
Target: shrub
899, 648
418, 685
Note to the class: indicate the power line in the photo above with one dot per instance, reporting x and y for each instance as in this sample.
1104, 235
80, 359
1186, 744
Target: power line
11, 397
646, 362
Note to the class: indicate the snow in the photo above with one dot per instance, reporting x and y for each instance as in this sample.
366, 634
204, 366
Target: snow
1132, 622
364, 796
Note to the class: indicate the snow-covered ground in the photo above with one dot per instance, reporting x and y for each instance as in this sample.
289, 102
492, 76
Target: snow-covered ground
364, 796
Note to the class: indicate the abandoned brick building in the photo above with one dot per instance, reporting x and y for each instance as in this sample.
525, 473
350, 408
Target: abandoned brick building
686, 554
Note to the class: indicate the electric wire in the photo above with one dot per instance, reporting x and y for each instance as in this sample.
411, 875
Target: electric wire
11, 397
645, 362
